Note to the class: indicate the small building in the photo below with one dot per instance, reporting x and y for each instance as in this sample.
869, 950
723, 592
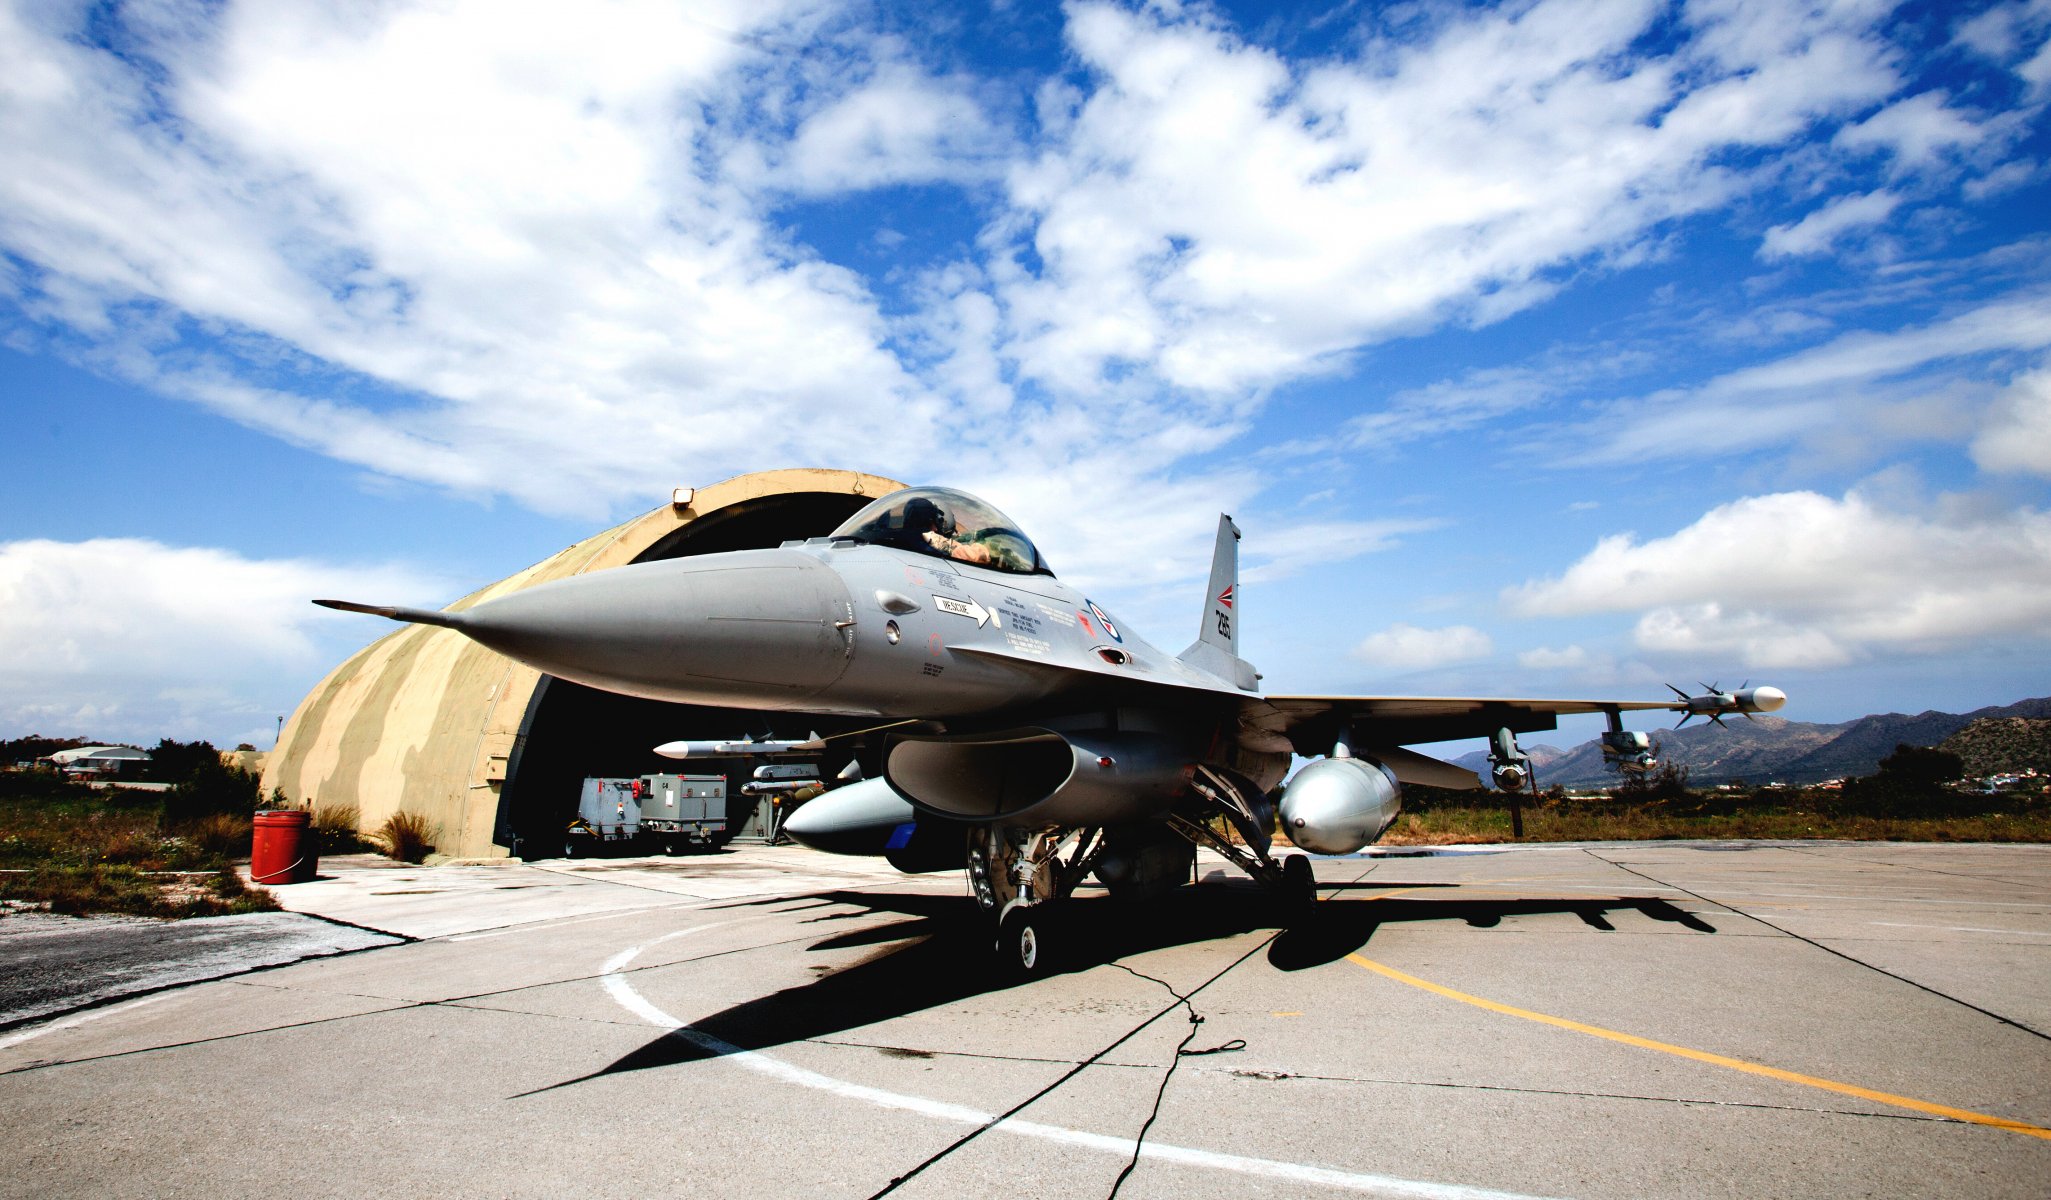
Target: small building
106, 762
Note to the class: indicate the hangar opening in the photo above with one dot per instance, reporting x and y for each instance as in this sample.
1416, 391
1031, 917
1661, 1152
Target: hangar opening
572, 732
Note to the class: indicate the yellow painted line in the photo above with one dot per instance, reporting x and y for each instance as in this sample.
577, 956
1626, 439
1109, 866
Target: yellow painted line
1716, 1060
1285, 1014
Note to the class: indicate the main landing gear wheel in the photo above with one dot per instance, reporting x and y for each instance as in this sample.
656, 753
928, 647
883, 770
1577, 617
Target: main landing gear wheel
1299, 885
1024, 948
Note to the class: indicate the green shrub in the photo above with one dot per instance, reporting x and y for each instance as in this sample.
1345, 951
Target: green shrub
211, 787
41, 785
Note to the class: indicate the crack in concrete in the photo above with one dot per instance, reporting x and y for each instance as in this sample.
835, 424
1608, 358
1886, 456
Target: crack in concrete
1850, 958
393, 1004
1284, 1076
1873, 862
1077, 1070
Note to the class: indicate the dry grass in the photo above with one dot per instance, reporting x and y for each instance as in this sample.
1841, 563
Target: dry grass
103, 852
1458, 826
335, 832
407, 836
221, 834
117, 888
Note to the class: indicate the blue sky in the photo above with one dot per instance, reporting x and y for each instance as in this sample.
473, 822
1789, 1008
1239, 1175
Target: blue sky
1557, 348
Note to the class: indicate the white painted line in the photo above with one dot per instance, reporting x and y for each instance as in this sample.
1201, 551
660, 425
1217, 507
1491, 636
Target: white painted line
1962, 929
16, 1039
1381, 1185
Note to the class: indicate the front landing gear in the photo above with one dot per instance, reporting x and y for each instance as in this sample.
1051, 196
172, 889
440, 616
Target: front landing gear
1020, 877
1024, 947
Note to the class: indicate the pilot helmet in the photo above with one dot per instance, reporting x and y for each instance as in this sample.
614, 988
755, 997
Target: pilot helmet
921, 514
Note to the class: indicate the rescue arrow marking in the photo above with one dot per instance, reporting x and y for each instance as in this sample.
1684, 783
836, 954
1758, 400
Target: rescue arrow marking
968, 608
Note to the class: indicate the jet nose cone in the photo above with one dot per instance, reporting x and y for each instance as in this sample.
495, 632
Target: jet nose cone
760, 626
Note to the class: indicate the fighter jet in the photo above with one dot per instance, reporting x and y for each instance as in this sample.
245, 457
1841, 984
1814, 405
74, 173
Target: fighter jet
1027, 734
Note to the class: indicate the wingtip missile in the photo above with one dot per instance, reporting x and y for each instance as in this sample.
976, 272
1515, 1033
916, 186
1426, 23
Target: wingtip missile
1715, 703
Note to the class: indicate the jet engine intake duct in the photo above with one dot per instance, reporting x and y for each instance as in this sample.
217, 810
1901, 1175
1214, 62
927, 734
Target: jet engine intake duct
1338, 805
1036, 776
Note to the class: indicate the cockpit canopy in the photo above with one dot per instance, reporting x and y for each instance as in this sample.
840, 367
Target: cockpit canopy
945, 524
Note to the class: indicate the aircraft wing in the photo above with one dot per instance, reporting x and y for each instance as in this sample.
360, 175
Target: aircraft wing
1309, 725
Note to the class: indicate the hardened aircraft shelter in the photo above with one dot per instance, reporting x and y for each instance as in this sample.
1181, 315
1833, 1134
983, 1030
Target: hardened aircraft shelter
492, 752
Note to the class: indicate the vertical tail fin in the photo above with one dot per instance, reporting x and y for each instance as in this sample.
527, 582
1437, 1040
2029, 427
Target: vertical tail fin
1220, 627
1216, 648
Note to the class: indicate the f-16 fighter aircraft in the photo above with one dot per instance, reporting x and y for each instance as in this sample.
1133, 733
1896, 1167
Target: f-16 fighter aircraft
1026, 734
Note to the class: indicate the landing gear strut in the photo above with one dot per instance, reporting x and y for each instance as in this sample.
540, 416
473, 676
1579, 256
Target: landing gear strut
1018, 876
1222, 793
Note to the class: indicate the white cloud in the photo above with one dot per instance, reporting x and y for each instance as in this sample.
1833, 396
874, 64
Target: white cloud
453, 243
1854, 392
2014, 34
2001, 30
1918, 132
898, 126
515, 220
1800, 579
1817, 232
130, 638
2036, 72
1403, 648
1276, 553
1545, 658
2018, 437
1230, 222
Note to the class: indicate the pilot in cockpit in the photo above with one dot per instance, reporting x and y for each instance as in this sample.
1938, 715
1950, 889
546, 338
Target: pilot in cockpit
945, 524
936, 530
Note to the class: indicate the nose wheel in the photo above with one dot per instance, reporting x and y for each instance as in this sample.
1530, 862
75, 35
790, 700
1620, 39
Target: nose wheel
1025, 949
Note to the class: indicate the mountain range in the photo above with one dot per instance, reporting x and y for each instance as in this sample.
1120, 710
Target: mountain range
1769, 749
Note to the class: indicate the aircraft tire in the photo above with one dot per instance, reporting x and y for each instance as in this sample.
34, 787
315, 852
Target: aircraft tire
1024, 948
1299, 884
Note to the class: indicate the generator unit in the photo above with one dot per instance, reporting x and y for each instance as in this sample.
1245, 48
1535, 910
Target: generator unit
673, 812
679, 812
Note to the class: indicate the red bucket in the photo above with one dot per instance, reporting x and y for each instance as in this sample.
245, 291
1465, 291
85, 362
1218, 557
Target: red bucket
281, 849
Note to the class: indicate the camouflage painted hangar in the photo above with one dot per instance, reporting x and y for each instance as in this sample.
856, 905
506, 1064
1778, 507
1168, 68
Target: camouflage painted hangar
426, 720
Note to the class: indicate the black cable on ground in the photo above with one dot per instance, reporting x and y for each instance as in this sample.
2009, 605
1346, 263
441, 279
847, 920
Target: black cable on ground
1067, 1075
1182, 1051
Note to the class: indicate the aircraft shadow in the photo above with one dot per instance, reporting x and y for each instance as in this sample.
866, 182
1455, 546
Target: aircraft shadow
1340, 927
940, 953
